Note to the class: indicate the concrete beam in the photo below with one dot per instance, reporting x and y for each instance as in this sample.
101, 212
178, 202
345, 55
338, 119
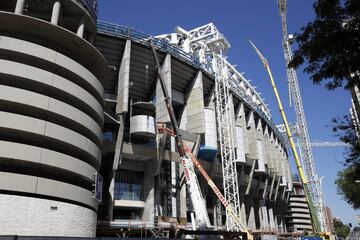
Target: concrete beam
251, 176
55, 15
119, 143
272, 186
149, 194
277, 187
265, 187
193, 118
122, 104
19, 6
241, 121
161, 110
81, 28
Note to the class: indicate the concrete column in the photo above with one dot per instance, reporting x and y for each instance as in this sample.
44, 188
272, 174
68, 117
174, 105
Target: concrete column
251, 134
19, 6
232, 118
272, 186
251, 223
194, 109
123, 81
277, 188
161, 110
260, 147
273, 227
281, 224
218, 213
276, 223
119, 142
267, 147
243, 211
149, 195
248, 187
241, 134
264, 218
81, 28
55, 13
257, 213
112, 198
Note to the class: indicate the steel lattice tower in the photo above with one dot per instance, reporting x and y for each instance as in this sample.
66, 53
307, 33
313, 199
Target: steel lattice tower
313, 181
226, 138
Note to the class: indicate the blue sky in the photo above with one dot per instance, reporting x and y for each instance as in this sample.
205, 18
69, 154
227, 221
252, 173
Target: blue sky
259, 21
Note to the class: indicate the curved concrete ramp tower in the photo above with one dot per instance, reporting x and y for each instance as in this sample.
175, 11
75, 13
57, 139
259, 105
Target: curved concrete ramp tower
51, 115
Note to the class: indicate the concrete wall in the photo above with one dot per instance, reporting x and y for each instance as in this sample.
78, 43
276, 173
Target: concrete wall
51, 118
27, 216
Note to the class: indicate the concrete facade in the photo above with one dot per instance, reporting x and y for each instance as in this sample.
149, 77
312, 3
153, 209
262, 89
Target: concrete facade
51, 118
144, 186
45, 217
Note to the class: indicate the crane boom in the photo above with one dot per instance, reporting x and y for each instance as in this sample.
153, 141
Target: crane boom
197, 200
302, 176
188, 161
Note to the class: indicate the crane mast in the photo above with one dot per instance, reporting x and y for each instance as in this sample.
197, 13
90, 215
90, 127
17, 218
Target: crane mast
313, 182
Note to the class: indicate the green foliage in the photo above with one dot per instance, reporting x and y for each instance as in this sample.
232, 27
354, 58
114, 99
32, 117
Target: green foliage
346, 185
341, 230
344, 129
330, 45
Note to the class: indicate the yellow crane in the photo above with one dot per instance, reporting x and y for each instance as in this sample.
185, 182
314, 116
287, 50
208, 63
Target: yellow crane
303, 180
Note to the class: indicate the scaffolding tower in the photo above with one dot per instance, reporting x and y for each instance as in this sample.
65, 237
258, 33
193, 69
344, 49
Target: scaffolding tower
226, 138
212, 47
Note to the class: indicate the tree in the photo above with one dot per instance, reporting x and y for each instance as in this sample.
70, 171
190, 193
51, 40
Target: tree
344, 129
341, 230
346, 181
347, 187
329, 46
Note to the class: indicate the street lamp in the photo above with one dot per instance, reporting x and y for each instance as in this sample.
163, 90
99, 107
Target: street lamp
357, 181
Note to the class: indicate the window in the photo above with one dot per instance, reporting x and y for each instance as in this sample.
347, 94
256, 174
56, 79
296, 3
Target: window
129, 185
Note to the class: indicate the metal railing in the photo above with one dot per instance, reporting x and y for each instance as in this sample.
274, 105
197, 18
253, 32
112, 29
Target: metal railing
141, 37
91, 6
131, 33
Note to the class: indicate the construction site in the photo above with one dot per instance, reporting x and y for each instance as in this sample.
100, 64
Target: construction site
108, 132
